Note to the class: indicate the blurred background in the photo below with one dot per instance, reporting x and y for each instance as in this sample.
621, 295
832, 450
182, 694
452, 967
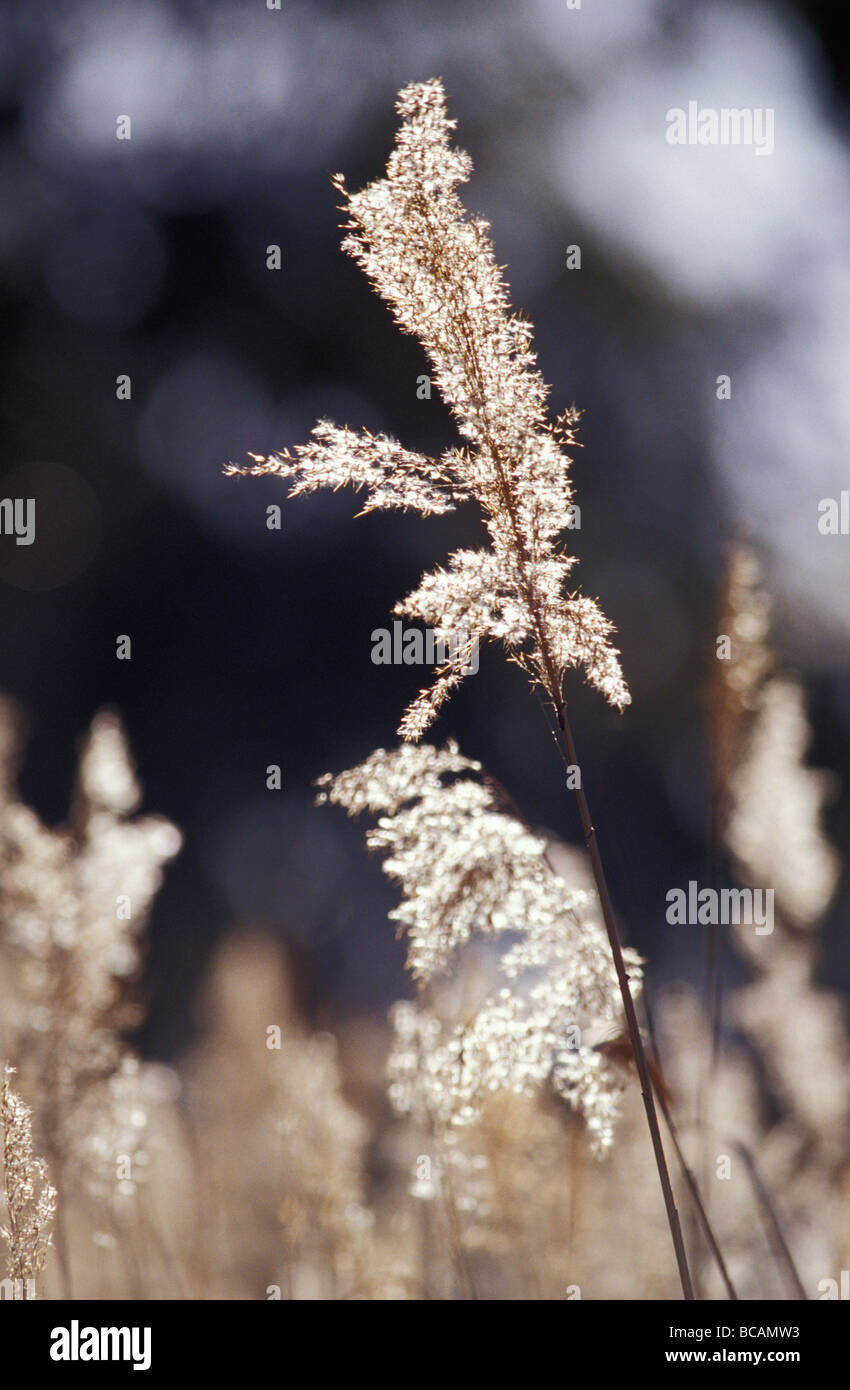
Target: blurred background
147, 258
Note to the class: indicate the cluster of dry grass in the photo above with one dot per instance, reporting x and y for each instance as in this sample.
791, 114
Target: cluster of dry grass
271, 1163
491, 1144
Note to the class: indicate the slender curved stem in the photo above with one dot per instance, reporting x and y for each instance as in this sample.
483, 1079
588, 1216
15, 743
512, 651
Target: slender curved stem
628, 1007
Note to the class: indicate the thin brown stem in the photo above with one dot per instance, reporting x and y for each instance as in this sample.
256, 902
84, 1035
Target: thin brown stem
628, 1008
661, 1093
693, 1188
781, 1248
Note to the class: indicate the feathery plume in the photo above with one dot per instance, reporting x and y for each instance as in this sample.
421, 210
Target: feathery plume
468, 868
776, 837
74, 903
771, 823
774, 828
434, 265
30, 1198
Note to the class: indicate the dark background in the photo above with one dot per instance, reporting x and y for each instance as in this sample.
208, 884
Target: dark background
252, 647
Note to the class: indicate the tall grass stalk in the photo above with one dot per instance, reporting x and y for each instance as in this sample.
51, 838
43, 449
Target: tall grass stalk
434, 265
